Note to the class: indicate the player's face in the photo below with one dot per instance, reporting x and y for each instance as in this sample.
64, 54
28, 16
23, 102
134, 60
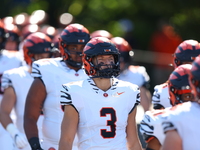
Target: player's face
106, 61
187, 97
42, 55
11, 45
75, 51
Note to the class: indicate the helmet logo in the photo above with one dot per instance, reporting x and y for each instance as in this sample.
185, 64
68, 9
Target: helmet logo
81, 40
107, 50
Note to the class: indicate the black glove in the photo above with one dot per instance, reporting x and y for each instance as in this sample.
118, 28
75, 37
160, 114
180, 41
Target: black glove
34, 143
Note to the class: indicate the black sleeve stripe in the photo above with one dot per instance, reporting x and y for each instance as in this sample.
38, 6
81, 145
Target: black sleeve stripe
63, 107
145, 124
67, 103
67, 96
133, 107
38, 71
145, 130
158, 106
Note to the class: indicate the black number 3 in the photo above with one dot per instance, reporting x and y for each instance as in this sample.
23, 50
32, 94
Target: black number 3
112, 122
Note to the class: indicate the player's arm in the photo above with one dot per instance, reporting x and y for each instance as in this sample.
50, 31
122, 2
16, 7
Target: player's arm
7, 104
33, 107
68, 128
154, 144
133, 142
145, 98
172, 141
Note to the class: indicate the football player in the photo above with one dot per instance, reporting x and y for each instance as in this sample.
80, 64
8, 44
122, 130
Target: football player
44, 93
180, 125
134, 74
12, 37
8, 60
184, 54
100, 109
180, 91
16, 83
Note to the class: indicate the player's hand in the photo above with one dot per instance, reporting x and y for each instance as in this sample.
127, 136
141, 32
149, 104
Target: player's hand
20, 140
18, 137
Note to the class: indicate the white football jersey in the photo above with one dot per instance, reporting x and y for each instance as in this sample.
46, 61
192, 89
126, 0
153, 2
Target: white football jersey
185, 119
151, 125
54, 72
136, 75
8, 60
161, 96
102, 115
20, 79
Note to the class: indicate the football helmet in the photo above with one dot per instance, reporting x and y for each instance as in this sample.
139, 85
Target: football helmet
36, 43
28, 29
178, 83
48, 30
195, 78
12, 33
101, 33
186, 52
72, 34
100, 46
2, 36
124, 48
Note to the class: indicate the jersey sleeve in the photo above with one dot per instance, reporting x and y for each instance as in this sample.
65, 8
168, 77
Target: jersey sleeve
68, 97
151, 126
171, 120
160, 98
136, 96
36, 73
6, 80
65, 97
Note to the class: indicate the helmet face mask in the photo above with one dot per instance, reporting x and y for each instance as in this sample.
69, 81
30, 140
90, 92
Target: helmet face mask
101, 46
73, 52
104, 70
180, 95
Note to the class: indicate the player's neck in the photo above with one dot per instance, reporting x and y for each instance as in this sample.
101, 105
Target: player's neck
103, 83
74, 68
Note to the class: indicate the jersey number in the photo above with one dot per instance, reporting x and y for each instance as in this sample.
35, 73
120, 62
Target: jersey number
112, 122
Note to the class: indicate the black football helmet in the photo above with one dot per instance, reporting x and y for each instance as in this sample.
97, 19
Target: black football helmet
179, 83
195, 78
186, 52
126, 51
36, 43
73, 34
